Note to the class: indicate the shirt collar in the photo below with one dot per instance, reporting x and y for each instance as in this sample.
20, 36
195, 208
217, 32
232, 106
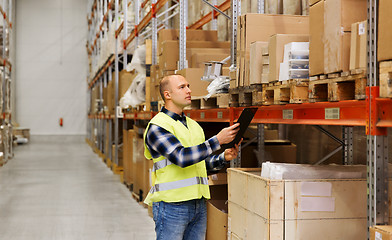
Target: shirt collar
173, 115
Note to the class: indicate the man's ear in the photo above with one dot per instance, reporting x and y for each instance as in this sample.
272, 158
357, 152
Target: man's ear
167, 94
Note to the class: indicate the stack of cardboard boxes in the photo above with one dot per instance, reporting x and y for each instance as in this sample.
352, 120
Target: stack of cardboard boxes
260, 27
330, 33
202, 46
124, 82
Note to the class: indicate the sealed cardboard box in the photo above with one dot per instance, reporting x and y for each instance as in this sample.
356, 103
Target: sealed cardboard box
340, 14
256, 62
358, 48
128, 136
198, 59
381, 232
193, 76
172, 46
191, 35
337, 52
316, 39
384, 51
260, 27
276, 51
169, 53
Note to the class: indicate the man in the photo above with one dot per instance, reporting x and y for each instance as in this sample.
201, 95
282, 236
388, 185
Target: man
181, 157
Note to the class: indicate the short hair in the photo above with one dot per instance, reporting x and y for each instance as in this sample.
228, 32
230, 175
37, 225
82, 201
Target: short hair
164, 85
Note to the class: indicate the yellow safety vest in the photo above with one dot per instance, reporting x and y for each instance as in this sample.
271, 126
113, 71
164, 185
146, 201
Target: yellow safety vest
171, 183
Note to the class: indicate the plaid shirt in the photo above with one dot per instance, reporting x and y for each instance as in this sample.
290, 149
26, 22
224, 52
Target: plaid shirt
163, 143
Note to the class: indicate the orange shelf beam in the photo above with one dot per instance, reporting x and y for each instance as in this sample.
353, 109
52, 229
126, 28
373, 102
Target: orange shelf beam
208, 17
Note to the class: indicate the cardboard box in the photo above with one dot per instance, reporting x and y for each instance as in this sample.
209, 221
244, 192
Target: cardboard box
191, 35
384, 51
128, 136
340, 14
278, 210
172, 47
198, 59
280, 153
216, 220
124, 82
381, 232
256, 62
260, 27
312, 2
316, 39
276, 51
217, 213
336, 51
358, 48
193, 76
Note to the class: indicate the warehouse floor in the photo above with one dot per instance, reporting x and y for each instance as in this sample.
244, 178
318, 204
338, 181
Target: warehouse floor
55, 188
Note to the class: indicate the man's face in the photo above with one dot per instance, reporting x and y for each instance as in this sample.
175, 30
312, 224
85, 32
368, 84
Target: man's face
179, 91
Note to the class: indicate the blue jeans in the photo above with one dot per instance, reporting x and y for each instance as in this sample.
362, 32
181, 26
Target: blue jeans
180, 221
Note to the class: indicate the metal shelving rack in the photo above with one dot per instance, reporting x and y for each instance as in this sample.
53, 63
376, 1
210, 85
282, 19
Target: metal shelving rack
6, 67
375, 113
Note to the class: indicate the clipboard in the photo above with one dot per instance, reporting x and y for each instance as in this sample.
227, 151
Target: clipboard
244, 120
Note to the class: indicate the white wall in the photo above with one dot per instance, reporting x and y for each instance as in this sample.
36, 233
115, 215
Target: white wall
51, 66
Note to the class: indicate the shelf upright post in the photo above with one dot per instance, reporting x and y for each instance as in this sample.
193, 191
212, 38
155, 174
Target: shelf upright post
260, 6
110, 137
377, 145
347, 133
183, 24
116, 90
137, 21
154, 35
125, 32
6, 154
166, 21
260, 144
214, 22
236, 11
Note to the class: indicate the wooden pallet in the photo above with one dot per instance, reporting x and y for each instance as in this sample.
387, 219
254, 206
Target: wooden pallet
284, 92
245, 96
220, 100
386, 79
342, 87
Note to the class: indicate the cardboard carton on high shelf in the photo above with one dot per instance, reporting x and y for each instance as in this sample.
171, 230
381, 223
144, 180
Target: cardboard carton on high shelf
276, 51
259, 27
338, 17
382, 232
312, 2
169, 54
256, 62
198, 59
358, 48
191, 35
316, 39
124, 82
193, 76
384, 37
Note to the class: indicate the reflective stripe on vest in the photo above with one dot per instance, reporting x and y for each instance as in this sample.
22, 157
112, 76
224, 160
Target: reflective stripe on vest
161, 164
179, 184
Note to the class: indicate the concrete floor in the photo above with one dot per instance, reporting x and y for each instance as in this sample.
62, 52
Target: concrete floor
57, 188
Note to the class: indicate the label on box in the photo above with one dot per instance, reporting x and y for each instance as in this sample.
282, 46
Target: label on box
214, 177
321, 189
317, 204
378, 236
361, 29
